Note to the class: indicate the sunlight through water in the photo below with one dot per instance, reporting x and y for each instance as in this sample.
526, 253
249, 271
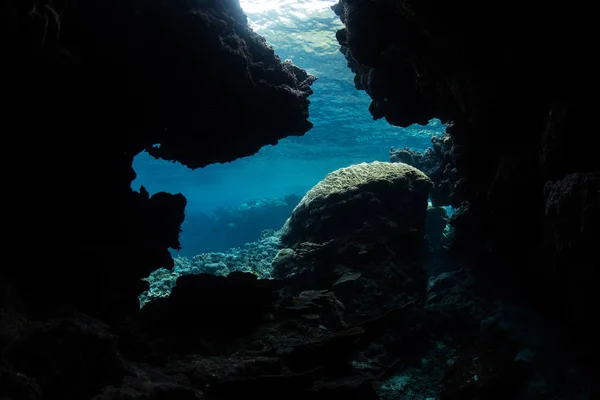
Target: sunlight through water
344, 132
300, 6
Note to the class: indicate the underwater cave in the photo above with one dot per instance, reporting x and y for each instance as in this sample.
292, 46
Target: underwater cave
299, 199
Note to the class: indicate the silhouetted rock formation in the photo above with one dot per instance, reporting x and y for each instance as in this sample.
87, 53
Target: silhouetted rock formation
437, 162
513, 84
359, 233
91, 85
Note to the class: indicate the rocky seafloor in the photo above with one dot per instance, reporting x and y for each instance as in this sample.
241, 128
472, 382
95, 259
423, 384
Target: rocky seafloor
357, 296
347, 315
253, 257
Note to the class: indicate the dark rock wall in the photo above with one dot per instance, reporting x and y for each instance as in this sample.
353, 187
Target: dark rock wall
513, 82
88, 85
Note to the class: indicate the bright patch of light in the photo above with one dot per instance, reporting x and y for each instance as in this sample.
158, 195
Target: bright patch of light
280, 6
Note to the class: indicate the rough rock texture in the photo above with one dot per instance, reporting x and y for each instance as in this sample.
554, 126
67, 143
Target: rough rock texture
572, 220
215, 338
255, 258
573, 212
363, 196
91, 85
436, 227
226, 308
437, 162
518, 111
70, 357
497, 375
88, 86
359, 233
224, 338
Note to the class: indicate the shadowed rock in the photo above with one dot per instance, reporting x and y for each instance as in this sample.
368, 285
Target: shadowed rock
359, 232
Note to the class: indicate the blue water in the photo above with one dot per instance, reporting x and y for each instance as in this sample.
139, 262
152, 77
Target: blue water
344, 133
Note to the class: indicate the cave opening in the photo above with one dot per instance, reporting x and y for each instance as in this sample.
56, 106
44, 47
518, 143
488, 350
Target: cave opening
231, 204
366, 296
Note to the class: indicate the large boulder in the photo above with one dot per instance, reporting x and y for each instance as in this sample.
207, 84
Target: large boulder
359, 233
366, 197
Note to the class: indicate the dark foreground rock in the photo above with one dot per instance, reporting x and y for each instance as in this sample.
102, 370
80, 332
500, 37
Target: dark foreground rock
517, 108
106, 83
